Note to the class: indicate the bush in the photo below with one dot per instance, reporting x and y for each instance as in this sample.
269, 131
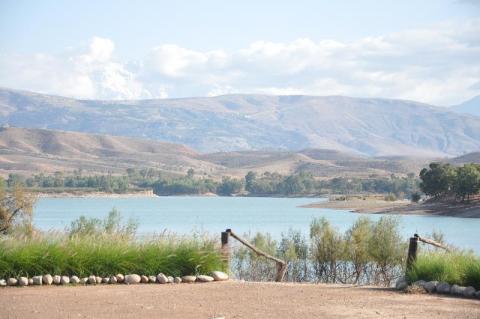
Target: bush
455, 268
390, 197
112, 224
368, 253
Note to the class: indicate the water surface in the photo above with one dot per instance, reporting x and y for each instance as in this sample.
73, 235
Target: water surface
241, 214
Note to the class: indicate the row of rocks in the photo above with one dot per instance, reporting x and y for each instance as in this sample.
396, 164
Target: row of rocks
119, 278
437, 287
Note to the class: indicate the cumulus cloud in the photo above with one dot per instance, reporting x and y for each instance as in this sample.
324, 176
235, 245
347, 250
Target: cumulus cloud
89, 72
437, 65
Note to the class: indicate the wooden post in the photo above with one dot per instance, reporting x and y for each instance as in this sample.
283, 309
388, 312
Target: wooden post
281, 265
226, 248
412, 251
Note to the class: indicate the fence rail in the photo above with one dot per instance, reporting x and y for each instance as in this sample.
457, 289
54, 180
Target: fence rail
281, 264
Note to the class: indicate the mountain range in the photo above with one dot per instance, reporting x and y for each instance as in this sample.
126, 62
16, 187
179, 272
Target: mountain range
362, 126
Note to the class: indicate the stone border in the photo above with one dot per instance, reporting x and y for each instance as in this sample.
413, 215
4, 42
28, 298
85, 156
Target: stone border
422, 286
129, 279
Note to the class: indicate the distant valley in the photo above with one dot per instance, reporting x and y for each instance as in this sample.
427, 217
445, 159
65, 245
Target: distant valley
30, 151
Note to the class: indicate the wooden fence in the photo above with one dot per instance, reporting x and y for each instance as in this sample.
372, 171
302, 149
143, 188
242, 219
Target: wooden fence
226, 251
413, 246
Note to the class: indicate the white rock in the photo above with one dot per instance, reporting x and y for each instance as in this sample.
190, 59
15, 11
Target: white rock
105, 280
30, 281
84, 281
177, 280
144, 279
98, 280
57, 280
120, 278
113, 280
430, 286
65, 280
204, 278
162, 279
189, 279
92, 280
457, 290
74, 280
469, 292
170, 279
23, 281
12, 281
47, 279
152, 279
220, 276
3, 282
443, 288
132, 279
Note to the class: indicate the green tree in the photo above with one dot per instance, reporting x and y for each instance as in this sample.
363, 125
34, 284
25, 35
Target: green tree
229, 186
467, 181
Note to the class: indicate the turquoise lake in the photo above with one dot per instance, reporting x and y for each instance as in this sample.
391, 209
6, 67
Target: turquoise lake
241, 214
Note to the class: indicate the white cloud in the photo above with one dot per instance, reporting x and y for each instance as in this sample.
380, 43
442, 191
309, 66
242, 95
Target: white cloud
438, 65
86, 73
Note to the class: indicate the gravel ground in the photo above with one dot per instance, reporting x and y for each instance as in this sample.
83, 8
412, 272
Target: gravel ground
228, 300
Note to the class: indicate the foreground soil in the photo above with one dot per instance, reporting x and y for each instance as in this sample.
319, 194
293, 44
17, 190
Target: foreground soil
466, 210
228, 300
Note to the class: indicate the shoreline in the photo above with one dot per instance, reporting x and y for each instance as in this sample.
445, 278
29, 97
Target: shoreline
462, 210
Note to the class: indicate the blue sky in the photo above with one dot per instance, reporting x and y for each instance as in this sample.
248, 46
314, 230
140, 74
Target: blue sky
424, 50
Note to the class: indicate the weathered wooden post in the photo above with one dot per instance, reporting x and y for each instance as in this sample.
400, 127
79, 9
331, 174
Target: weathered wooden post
226, 248
412, 251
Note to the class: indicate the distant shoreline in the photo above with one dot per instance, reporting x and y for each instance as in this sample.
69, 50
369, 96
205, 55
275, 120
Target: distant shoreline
463, 210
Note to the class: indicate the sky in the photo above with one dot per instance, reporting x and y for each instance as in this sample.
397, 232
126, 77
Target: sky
428, 50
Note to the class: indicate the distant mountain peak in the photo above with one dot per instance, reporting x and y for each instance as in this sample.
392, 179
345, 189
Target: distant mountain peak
471, 106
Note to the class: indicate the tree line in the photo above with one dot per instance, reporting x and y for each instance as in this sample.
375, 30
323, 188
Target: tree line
253, 184
445, 181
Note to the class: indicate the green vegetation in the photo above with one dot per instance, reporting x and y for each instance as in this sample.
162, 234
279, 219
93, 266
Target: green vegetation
105, 247
367, 253
444, 181
16, 208
455, 268
266, 184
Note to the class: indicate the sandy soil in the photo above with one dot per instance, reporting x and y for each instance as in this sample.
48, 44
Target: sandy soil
467, 210
228, 300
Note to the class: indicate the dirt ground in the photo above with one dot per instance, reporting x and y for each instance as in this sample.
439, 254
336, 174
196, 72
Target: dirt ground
466, 210
228, 300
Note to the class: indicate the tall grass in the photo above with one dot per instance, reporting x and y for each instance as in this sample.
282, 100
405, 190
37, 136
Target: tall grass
106, 247
106, 255
453, 267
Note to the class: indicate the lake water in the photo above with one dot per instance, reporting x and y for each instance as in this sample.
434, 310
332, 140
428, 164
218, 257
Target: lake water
241, 214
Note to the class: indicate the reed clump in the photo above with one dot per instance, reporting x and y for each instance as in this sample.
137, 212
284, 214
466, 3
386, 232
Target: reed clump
103, 248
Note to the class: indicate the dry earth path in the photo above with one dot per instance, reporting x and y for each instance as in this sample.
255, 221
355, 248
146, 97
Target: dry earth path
228, 300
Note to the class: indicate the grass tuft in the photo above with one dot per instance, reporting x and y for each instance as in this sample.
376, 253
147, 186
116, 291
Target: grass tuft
455, 268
